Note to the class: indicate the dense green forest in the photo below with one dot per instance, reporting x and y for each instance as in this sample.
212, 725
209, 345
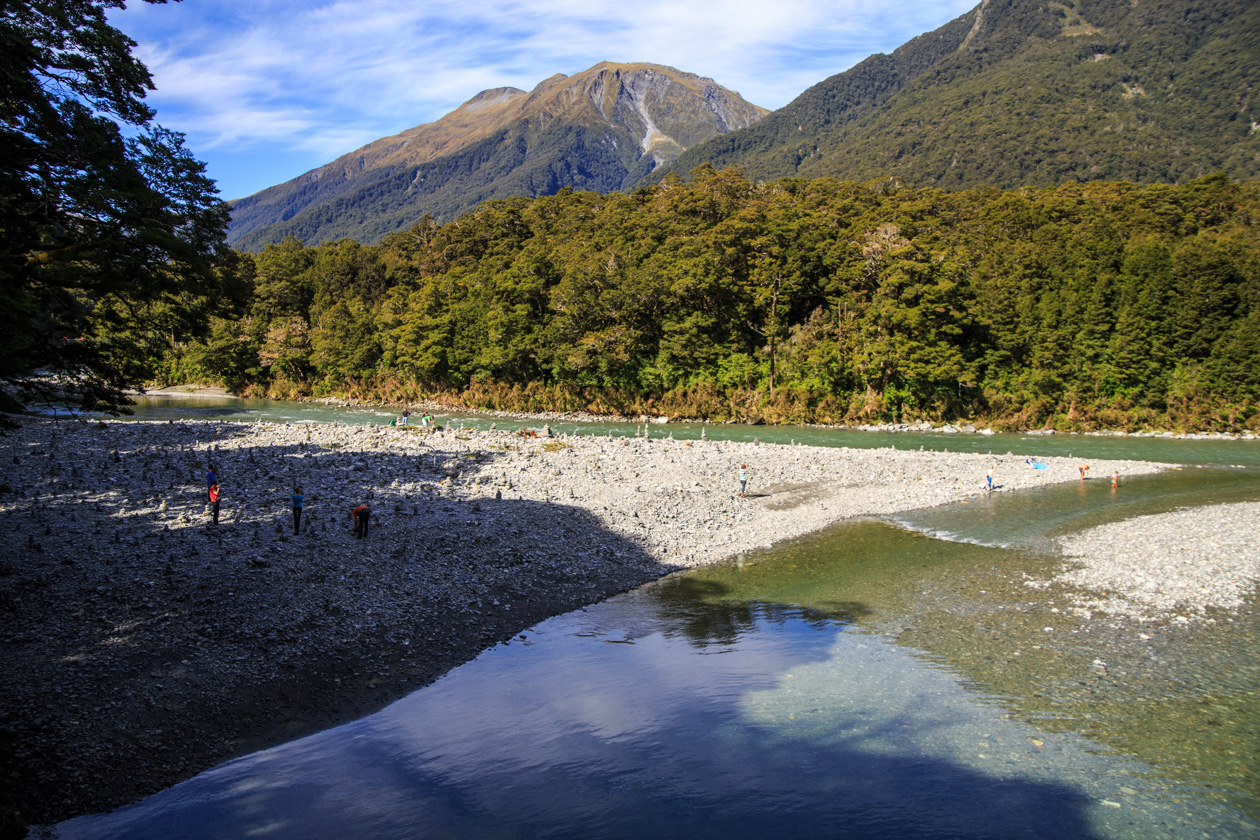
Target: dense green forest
1027, 93
1096, 305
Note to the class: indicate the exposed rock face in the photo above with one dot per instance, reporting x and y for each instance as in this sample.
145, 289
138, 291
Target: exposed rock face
602, 129
669, 111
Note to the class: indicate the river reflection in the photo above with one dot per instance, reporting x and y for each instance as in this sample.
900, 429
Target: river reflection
788, 729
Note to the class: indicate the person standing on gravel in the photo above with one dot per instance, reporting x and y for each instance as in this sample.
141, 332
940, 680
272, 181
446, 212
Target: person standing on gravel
361, 515
296, 499
214, 500
212, 477
742, 475
989, 479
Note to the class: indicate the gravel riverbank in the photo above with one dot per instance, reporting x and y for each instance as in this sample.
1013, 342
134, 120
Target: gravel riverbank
1181, 564
143, 644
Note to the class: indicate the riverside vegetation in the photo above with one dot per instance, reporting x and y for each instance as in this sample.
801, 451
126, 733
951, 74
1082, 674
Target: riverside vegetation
1077, 306
799, 301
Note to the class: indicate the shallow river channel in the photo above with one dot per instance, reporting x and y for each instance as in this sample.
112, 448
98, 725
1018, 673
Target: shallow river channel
893, 679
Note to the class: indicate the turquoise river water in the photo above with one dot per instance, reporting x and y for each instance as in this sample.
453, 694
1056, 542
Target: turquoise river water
878, 679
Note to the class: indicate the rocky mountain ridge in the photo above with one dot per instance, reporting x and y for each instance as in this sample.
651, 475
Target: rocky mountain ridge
602, 129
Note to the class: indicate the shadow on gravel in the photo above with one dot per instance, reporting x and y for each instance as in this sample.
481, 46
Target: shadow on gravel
143, 644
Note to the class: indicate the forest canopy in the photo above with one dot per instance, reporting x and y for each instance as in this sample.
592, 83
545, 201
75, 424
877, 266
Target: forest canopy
1102, 304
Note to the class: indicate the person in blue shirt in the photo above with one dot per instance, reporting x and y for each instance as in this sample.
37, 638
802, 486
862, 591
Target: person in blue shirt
297, 509
212, 478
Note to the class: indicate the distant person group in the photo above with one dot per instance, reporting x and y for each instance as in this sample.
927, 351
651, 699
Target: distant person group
426, 420
214, 494
1037, 465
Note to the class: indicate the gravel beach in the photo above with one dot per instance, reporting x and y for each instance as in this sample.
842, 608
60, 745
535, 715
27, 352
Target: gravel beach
143, 644
1179, 565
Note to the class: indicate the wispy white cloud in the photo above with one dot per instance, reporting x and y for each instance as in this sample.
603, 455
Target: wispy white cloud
324, 77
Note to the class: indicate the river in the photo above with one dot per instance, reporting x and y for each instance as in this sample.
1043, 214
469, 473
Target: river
877, 679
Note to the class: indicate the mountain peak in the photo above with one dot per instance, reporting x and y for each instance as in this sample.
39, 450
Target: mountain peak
601, 129
491, 98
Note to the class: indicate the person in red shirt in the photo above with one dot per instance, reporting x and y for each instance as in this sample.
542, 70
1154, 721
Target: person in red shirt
214, 500
361, 515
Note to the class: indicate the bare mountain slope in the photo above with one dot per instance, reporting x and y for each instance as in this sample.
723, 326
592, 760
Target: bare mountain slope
602, 129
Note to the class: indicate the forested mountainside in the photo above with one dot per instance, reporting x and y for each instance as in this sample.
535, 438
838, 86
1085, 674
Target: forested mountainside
1027, 92
600, 130
1084, 305
1014, 93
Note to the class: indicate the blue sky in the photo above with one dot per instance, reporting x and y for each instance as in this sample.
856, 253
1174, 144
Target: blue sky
266, 90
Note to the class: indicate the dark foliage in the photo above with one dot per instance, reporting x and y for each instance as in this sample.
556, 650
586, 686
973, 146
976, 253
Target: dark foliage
112, 247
